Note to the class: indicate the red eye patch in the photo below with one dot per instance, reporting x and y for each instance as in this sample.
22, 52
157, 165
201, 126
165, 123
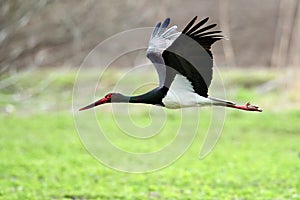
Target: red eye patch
108, 96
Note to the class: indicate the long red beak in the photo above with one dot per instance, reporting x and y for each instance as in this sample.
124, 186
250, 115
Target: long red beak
92, 105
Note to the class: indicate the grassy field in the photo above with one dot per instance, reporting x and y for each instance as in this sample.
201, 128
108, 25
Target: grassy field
42, 157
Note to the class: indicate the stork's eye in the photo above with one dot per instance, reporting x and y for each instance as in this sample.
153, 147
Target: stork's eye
108, 96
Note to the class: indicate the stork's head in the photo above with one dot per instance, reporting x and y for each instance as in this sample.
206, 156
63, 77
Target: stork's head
109, 98
106, 99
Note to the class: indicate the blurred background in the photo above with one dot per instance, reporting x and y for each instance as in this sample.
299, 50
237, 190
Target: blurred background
44, 42
43, 33
56, 36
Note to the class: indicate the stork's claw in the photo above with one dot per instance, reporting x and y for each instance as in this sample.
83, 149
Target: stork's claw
253, 108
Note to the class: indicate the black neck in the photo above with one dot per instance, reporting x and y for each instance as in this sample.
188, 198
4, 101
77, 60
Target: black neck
152, 97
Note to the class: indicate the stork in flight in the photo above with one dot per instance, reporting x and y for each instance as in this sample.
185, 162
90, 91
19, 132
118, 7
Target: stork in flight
184, 69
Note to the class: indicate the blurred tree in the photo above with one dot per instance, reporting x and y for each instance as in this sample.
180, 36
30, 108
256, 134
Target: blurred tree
225, 27
43, 33
14, 17
294, 47
286, 23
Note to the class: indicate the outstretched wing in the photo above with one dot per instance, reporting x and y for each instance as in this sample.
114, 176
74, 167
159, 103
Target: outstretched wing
161, 39
190, 55
204, 37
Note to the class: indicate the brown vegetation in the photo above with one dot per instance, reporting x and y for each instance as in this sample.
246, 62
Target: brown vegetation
38, 33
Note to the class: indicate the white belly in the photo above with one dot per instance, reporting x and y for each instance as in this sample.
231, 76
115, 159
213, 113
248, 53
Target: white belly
181, 95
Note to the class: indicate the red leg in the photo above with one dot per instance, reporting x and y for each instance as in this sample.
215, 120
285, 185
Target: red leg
247, 107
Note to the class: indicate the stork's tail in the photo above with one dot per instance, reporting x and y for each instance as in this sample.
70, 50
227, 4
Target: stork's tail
221, 102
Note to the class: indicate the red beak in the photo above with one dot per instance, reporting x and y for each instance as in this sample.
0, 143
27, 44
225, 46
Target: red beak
97, 103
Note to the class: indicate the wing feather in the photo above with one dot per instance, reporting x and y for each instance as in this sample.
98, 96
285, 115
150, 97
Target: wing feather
198, 25
203, 29
190, 24
187, 53
155, 30
161, 39
190, 55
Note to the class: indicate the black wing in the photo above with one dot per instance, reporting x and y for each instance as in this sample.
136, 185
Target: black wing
190, 55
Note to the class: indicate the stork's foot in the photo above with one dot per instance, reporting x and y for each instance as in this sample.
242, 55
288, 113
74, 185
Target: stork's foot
253, 108
247, 107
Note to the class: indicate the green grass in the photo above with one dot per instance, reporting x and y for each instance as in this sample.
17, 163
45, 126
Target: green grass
42, 157
257, 157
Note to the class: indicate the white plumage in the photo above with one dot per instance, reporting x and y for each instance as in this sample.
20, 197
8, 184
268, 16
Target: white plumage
181, 95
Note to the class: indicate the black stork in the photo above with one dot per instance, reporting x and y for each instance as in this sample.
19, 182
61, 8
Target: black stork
185, 72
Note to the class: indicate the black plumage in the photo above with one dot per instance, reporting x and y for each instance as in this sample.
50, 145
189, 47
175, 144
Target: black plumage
190, 55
